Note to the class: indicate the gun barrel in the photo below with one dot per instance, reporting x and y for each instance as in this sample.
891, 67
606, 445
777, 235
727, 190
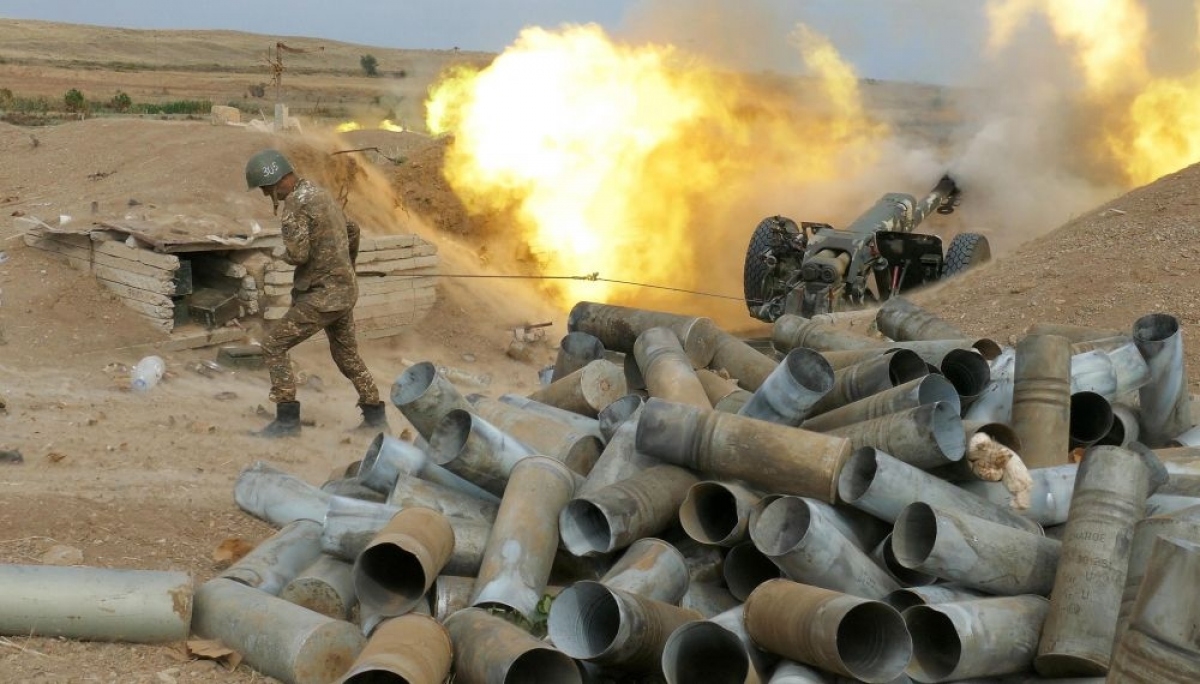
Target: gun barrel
942, 199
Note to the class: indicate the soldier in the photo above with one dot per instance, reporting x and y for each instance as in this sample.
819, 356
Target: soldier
322, 246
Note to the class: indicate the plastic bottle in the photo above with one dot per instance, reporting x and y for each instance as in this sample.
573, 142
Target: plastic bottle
147, 373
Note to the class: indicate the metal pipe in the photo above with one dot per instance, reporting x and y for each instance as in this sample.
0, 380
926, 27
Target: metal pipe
968, 371
618, 327
885, 558
394, 571
667, 370
276, 497
585, 391
975, 552
717, 512
926, 436
579, 422
1041, 409
791, 390
745, 568
764, 455
1074, 333
1093, 372
901, 319
987, 637
353, 488
424, 395
994, 404
788, 672
450, 594
388, 457
1162, 644
708, 600
914, 393
279, 559
576, 350
1049, 496
870, 376
794, 332
520, 551
325, 586
843, 634
1183, 525
1110, 498
615, 516
708, 652
474, 449
546, 436
741, 361
615, 414
1091, 419
620, 459
590, 621
1165, 400
139, 606
412, 492
652, 568
1129, 369
946, 592
798, 538
277, 638
412, 649
491, 650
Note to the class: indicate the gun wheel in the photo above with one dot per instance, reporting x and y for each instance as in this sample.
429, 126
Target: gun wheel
966, 251
757, 274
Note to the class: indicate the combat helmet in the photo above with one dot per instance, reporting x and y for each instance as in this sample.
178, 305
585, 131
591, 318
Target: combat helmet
265, 168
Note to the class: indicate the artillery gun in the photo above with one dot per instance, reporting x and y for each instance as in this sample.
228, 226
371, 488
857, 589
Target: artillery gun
814, 268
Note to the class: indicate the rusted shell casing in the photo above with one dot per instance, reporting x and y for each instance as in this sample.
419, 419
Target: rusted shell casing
792, 332
491, 650
978, 553
717, 650
279, 559
667, 370
740, 361
871, 376
920, 392
994, 404
393, 573
1041, 409
388, 457
927, 436
633, 375
620, 459
809, 548
578, 422
138, 606
276, 497
987, 637
1109, 499
474, 449
412, 492
585, 391
945, 592
708, 600
277, 638
1049, 496
576, 350
520, 551
745, 568
791, 390
764, 455
618, 328
1091, 419
413, 649
704, 562
546, 436
615, 516
733, 402
901, 319
886, 559
847, 635
325, 586
1184, 525
1165, 401
450, 594
615, 628
615, 414
718, 512
652, 568
1162, 644
424, 395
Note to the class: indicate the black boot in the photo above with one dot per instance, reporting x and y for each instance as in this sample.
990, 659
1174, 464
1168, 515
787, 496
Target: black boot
286, 423
374, 418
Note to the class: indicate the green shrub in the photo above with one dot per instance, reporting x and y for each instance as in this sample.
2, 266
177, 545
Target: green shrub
74, 101
121, 102
369, 65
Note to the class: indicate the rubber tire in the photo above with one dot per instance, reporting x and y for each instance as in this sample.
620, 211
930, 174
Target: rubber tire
755, 270
966, 251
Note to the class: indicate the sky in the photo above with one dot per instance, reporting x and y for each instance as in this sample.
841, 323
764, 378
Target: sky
884, 39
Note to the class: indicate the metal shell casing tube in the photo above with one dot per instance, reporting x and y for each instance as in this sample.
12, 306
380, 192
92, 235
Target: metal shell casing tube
791, 332
353, 488
1041, 409
978, 553
413, 649
547, 436
1074, 333
277, 638
520, 550
791, 390
741, 361
745, 568
576, 350
585, 391
968, 372
393, 573
709, 652
886, 559
704, 562
966, 469
935, 351
901, 319
994, 404
947, 592
388, 457
847, 635
1093, 372
1091, 419
424, 395
764, 455
279, 559
717, 512
1125, 427
982, 638
276, 497
709, 600
615, 414
652, 568
668, 372
491, 650
412, 492
920, 392
1049, 497
590, 621
474, 449
618, 327
788, 672
1129, 368
615, 516
620, 459
1165, 401
733, 402
139, 606
1185, 526
809, 548
326, 586
1109, 499
870, 376
927, 436
578, 422
351, 524
844, 358
450, 594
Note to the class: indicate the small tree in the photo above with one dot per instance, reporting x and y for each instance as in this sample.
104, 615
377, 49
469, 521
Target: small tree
369, 64
6, 98
74, 101
121, 102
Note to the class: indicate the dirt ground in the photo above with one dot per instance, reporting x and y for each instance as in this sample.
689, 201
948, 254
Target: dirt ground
145, 481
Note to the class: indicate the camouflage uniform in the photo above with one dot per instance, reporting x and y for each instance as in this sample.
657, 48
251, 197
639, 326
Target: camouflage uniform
322, 245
